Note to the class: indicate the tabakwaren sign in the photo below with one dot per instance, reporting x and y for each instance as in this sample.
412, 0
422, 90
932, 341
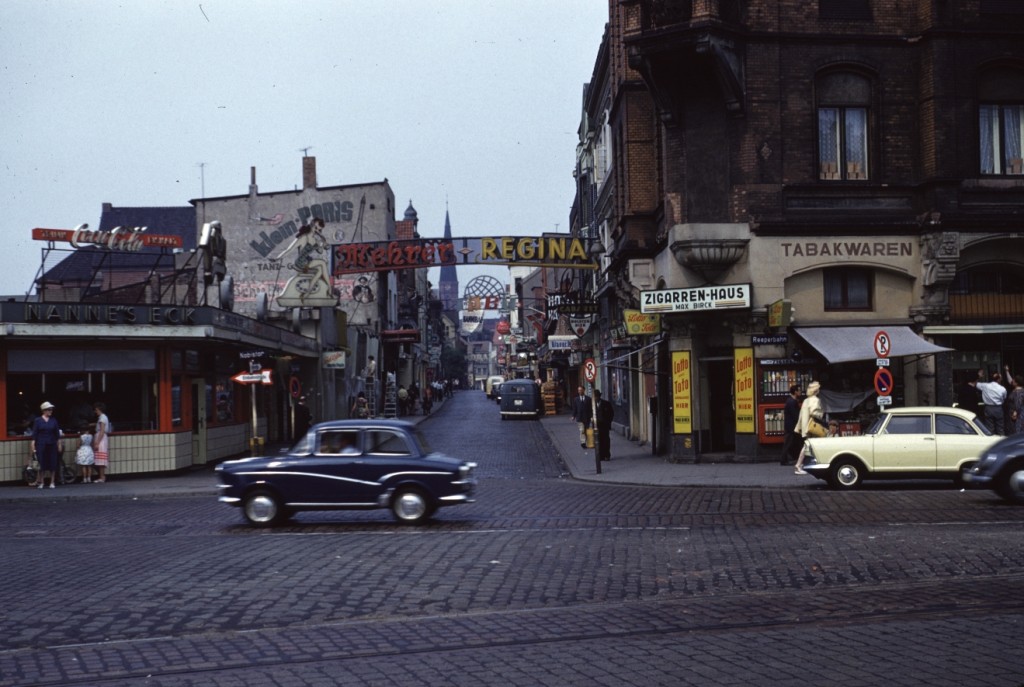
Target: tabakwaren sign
726, 297
544, 251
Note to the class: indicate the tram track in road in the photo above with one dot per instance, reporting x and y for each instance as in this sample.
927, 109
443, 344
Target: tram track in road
210, 658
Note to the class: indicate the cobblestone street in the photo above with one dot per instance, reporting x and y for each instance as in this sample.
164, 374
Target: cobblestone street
545, 580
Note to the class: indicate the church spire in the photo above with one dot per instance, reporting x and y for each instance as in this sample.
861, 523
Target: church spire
448, 285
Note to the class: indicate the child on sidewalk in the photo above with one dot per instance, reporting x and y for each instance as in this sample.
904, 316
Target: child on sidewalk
84, 456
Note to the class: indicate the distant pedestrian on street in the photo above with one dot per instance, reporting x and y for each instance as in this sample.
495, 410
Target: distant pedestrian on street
811, 408
303, 419
360, 407
791, 441
403, 401
45, 440
101, 443
581, 414
603, 421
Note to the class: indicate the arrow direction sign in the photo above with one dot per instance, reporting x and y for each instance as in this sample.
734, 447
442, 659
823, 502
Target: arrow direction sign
261, 377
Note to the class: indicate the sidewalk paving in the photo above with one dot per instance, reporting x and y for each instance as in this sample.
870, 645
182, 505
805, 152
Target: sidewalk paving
630, 464
633, 464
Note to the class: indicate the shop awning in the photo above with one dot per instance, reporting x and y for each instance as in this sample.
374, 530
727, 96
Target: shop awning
846, 344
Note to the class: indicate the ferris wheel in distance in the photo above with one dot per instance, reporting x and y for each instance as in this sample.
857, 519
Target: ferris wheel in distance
484, 285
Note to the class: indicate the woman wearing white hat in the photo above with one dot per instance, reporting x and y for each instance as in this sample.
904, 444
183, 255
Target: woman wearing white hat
45, 438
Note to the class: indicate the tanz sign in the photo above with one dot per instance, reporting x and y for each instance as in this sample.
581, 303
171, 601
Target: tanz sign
726, 297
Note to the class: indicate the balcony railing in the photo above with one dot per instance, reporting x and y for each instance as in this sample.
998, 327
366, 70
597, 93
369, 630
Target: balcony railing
991, 308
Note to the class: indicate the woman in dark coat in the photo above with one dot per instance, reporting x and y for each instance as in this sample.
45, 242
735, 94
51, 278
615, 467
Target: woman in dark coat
45, 442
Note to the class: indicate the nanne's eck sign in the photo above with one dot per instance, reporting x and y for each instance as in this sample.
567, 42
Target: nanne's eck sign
725, 297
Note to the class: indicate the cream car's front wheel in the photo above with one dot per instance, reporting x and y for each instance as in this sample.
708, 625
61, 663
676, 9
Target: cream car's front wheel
847, 473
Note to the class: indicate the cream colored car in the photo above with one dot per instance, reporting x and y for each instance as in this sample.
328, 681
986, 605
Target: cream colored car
902, 443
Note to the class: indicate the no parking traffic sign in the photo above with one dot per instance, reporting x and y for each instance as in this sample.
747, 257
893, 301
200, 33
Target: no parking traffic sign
883, 381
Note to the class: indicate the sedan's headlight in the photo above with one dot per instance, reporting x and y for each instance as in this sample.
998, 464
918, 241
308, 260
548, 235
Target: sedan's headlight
466, 470
989, 457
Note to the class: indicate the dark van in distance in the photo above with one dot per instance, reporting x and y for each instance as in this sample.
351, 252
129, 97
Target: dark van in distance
521, 398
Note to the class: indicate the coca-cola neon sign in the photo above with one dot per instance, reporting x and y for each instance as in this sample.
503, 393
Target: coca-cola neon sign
128, 239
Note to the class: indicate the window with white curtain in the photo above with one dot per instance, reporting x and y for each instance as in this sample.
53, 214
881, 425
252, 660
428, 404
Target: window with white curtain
603, 152
844, 108
1001, 121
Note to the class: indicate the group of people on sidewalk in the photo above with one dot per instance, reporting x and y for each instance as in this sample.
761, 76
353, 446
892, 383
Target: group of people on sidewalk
46, 446
598, 413
999, 401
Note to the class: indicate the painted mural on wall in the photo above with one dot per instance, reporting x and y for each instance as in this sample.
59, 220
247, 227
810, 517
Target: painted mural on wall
309, 285
276, 256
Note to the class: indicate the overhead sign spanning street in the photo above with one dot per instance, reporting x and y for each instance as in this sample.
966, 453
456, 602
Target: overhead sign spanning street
544, 251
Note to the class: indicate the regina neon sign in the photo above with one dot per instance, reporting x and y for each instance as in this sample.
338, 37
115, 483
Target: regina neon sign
544, 251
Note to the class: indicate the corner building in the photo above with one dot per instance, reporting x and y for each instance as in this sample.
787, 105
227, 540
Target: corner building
855, 164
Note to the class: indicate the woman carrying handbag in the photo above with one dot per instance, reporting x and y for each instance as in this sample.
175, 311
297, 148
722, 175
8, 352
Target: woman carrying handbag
811, 413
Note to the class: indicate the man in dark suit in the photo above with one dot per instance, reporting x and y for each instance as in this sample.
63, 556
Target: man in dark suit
581, 410
791, 441
605, 415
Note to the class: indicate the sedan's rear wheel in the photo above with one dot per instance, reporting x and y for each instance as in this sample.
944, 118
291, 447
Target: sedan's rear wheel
263, 508
1011, 485
411, 506
847, 473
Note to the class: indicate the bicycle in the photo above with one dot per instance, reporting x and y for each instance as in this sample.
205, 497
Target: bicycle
65, 473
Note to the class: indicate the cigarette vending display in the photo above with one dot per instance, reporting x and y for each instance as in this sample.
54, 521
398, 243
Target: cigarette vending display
774, 379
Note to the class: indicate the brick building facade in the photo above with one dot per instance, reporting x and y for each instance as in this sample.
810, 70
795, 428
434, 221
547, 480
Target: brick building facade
852, 167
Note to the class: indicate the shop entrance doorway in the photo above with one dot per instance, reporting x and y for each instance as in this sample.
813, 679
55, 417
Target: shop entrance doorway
721, 406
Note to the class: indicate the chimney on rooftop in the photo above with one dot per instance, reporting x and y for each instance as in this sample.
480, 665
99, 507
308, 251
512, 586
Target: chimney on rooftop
308, 172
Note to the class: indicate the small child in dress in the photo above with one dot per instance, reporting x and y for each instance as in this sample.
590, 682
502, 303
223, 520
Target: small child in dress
85, 457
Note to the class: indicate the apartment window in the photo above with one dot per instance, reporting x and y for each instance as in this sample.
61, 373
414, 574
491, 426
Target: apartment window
1000, 128
1001, 121
844, 107
847, 288
603, 152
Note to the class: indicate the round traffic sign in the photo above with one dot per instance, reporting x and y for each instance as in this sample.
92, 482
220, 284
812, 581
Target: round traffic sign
883, 344
883, 381
589, 369
295, 387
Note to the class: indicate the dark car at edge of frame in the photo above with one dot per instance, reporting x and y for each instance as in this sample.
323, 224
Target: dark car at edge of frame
348, 465
1001, 468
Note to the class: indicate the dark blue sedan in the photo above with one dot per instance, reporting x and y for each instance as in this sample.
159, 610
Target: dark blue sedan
348, 465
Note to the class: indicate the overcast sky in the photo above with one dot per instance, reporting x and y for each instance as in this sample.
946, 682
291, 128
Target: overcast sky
473, 103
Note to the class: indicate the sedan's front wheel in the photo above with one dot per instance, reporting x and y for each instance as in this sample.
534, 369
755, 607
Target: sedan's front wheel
847, 473
1011, 485
263, 508
411, 506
